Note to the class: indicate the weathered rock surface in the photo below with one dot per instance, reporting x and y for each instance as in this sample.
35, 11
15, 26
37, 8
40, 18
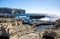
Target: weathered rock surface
16, 30
30, 36
11, 10
58, 22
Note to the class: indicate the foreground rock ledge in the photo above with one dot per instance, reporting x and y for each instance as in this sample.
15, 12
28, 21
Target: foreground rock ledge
16, 30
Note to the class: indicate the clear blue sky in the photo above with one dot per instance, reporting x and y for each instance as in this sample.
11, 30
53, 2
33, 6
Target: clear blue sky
34, 6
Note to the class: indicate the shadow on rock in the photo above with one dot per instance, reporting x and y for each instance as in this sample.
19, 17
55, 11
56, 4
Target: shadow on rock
50, 35
3, 33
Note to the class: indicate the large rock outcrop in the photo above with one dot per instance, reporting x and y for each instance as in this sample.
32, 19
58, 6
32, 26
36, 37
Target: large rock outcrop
16, 30
5, 10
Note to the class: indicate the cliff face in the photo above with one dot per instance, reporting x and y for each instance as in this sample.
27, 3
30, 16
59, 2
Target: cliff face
11, 10
14, 29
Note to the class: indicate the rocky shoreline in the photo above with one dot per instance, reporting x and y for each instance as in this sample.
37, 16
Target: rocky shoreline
15, 29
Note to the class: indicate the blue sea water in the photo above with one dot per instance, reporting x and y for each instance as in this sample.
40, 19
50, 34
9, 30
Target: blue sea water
42, 27
25, 17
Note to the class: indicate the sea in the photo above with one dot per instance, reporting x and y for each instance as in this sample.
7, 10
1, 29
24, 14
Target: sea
25, 17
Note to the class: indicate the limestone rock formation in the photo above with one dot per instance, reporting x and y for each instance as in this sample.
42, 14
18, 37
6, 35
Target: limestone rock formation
16, 30
58, 22
11, 10
30, 36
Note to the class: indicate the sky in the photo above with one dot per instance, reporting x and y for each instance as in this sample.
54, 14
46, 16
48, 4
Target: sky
34, 6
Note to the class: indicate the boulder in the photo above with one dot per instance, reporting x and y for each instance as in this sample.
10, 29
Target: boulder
58, 22
30, 36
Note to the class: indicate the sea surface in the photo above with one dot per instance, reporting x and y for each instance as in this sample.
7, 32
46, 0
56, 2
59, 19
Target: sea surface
25, 17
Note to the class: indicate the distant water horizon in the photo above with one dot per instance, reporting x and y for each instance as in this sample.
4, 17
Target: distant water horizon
47, 16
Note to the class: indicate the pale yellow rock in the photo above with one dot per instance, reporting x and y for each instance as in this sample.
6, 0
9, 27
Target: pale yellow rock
9, 26
14, 37
30, 36
18, 31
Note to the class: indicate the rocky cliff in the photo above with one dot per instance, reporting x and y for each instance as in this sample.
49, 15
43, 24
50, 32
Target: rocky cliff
11, 10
